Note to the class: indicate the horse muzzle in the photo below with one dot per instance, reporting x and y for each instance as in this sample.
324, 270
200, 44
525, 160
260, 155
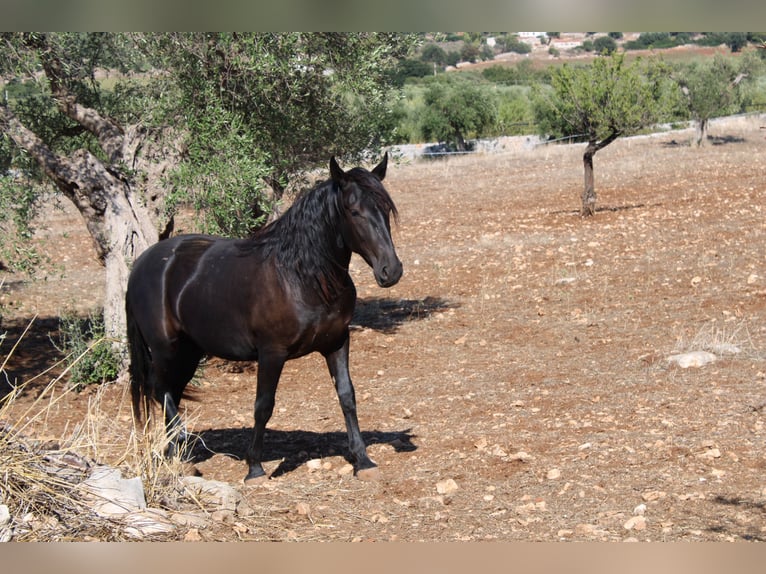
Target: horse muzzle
388, 275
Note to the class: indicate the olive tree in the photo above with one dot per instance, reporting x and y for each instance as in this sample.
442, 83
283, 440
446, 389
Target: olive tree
457, 110
713, 88
215, 119
600, 102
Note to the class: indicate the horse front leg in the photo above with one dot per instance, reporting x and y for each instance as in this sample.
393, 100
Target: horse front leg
337, 363
269, 371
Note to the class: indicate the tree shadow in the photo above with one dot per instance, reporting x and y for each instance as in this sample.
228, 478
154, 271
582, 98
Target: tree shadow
28, 354
753, 533
387, 315
723, 140
713, 140
292, 448
610, 208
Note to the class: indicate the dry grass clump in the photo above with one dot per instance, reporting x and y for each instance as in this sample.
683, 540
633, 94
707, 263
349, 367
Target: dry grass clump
39, 479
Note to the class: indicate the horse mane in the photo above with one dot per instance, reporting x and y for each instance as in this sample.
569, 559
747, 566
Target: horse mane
303, 239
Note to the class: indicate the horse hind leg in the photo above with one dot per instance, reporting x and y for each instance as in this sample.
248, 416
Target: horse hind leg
172, 376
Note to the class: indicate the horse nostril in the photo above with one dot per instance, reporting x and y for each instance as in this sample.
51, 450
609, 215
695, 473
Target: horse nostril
384, 273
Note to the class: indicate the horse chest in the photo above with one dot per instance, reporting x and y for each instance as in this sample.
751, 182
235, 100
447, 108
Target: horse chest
320, 332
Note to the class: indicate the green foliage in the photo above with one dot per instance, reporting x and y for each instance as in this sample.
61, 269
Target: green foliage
287, 101
19, 203
457, 110
410, 68
658, 40
228, 194
717, 87
514, 112
511, 43
605, 99
91, 358
434, 54
522, 73
604, 45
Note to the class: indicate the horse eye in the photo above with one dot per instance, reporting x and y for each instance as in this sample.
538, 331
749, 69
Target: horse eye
356, 213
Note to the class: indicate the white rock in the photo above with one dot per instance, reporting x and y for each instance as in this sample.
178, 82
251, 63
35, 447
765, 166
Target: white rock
447, 486
314, 464
5, 514
213, 493
553, 474
635, 523
692, 359
113, 495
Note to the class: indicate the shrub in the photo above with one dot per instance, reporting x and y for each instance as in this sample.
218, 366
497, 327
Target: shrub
90, 357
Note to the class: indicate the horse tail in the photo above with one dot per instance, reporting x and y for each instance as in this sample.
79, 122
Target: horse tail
140, 364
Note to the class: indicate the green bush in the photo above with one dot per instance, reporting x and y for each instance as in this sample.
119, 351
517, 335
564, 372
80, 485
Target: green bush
90, 356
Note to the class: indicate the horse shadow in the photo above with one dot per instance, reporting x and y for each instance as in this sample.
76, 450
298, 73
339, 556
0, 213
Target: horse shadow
292, 448
386, 315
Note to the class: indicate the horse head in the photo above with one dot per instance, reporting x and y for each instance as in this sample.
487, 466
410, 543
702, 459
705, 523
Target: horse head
366, 213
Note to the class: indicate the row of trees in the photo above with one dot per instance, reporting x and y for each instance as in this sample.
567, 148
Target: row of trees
596, 103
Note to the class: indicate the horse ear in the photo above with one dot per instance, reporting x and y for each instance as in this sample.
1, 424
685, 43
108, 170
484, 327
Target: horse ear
380, 169
336, 173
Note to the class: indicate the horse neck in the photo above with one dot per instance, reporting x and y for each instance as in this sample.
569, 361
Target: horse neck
307, 241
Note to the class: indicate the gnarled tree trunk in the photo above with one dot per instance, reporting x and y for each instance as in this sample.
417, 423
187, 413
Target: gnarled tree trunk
123, 213
122, 219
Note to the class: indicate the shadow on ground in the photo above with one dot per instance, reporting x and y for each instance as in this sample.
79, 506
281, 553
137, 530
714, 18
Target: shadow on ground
387, 315
293, 447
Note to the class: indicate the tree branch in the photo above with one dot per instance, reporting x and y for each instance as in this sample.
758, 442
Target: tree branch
108, 132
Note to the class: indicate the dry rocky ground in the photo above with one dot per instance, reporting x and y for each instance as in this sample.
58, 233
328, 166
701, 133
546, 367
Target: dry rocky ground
515, 385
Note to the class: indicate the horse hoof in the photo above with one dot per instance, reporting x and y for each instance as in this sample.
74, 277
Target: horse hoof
255, 480
368, 474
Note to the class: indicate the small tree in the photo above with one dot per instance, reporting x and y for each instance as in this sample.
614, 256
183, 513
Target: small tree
713, 89
455, 111
604, 45
600, 102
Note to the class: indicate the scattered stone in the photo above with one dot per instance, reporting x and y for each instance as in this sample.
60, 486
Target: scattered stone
346, 469
447, 486
303, 508
192, 535
635, 523
368, 474
5, 515
314, 464
653, 495
711, 453
216, 494
553, 474
521, 456
639, 510
497, 450
692, 359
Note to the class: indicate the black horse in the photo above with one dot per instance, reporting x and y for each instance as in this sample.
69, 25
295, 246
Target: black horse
278, 295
